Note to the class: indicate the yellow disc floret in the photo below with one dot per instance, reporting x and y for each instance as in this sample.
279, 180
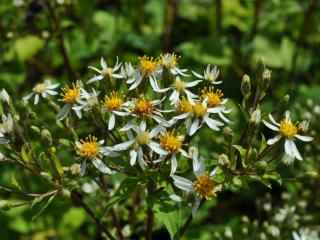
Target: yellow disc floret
184, 106
179, 85
89, 148
143, 138
70, 95
204, 186
39, 88
113, 102
170, 142
288, 129
213, 97
142, 107
199, 110
147, 65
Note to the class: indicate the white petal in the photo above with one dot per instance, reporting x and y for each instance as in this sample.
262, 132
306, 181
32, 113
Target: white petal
287, 147
103, 63
213, 124
274, 140
136, 83
272, 120
193, 83
182, 116
304, 138
96, 78
133, 157
123, 146
195, 206
154, 132
101, 166
36, 99
111, 122
295, 150
194, 127
176, 198
174, 96
182, 183
157, 148
272, 127
174, 164
95, 69
195, 164
83, 168
197, 75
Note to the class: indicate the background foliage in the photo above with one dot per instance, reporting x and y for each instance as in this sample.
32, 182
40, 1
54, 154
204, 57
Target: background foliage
59, 42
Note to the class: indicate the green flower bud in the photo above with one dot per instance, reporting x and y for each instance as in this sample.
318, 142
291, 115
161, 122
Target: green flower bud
228, 134
5, 205
46, 137
244, 231
246, 86
256, 117
282, 106
245, 219
224, 160
65, 193
46, 176
36, 129
237, 181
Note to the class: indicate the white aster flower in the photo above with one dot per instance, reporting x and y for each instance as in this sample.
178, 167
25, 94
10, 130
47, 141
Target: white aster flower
91, 149
128, 73
209, 75
148, 69
143, 108
178, 88
44, 89
6, 127
172, 144
143, 137
170, 62
105, 72
114, 105
203, 187
86, 101
289, 131
200, 114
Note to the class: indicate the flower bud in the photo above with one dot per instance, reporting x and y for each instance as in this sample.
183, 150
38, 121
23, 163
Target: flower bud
228, 134
304, 126
46, 176
266, 76
193, 152
307, 175
256, 117
228, 232
237, 181
224, 160
244, 231
46, 137
5, 205
36, 129
4, 97
246, 86
309, 102
65, 193
75, 169
282, 106
245, 219
316, 110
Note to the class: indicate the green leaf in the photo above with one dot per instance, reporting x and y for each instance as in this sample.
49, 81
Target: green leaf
242, 152
44, 206
27, 47
273, 176
24, 154
167, 213
71, 221
14, 182
126, 188
57, 165
263, 143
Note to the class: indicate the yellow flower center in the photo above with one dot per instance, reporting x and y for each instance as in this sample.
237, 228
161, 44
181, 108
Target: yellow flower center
107, 72
213, 97
204, 186
39, 88
169, 60
288, 129
70, 95
143, 138
170, 142
147, 65
113, 102
199, 110
184, 106
89, 148
179, 85
143, 107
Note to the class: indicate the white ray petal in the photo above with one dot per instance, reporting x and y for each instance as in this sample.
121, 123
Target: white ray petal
304, 138
101, 166
274, 139
295, 150
269, 125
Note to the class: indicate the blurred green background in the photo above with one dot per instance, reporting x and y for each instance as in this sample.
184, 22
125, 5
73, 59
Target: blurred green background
60, 39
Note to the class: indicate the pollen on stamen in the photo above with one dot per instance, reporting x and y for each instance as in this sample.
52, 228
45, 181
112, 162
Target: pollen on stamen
213, 97
143, 107
147, 65
170, 142
184, 106
288, 129
169, 60
204, 186
88, 148
199, 110
70, 94
113, 102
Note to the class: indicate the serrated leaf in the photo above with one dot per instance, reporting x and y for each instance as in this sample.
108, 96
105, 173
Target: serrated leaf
126, 188
24, 155
14, 182
44, 206
167, 213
